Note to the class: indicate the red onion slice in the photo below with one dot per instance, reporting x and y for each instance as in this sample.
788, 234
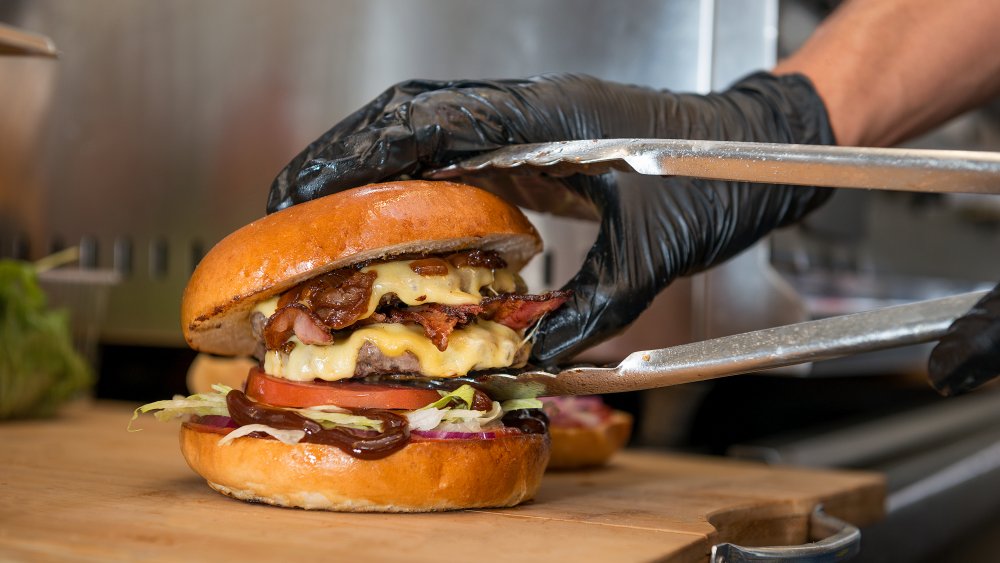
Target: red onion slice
216, 421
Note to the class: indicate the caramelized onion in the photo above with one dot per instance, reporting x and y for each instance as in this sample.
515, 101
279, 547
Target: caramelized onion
338, 300
477, 259
430, 267
297, 319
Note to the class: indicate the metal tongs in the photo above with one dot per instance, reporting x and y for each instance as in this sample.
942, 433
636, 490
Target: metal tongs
844, 167
772, 163
810, 341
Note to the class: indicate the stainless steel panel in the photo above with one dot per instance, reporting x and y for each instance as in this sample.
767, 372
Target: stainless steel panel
168, 120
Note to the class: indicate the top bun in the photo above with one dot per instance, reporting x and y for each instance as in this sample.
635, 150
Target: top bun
281, 250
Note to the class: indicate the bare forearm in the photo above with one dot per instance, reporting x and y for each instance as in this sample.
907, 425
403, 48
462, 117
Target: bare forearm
891, 69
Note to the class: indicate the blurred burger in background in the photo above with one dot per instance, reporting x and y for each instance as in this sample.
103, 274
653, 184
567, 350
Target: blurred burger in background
585, 431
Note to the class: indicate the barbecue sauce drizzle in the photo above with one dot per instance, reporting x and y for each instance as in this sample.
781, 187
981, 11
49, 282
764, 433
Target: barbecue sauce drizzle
394, 436
395, 432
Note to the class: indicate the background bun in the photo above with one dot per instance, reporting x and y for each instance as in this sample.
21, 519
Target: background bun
281, 250
581, 447
424, 476
207, 370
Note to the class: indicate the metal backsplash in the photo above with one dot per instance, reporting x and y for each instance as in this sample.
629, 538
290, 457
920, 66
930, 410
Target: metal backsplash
161, 125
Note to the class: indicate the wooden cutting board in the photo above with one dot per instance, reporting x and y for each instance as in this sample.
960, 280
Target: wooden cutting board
82, 488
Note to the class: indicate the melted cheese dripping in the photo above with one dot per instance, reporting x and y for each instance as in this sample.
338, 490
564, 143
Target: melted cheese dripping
461, 286
481, 345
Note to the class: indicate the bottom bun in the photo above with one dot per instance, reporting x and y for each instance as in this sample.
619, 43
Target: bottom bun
580, 447
424, 476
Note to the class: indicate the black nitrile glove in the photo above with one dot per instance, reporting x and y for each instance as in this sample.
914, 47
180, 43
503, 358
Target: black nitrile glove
648, 236
969, 353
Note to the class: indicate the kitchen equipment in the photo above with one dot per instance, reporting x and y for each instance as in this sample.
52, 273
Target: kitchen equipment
199, 105
14, 41
833, 337
139, 500
808, 165
84, 294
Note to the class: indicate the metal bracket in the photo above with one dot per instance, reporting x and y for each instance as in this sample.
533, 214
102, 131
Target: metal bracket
835, 540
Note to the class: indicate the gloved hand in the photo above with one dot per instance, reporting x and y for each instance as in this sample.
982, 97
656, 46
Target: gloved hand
969, 353
648, 237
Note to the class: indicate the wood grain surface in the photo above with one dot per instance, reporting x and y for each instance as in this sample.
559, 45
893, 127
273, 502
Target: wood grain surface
82, 488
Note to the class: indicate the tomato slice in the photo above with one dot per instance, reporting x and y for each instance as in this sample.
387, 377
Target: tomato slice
348, 394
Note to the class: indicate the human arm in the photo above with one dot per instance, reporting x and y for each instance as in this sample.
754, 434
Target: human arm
889, 70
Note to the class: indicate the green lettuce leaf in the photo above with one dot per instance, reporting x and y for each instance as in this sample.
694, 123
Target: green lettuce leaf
341, 419
39, 367
201, 404
204, 404
464, 394
441, 414
518, 404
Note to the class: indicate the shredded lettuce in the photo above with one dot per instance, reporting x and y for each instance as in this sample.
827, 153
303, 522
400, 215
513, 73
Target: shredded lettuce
204, 404
335, 419
287, 436
495, 412
441, 415
327, 408
454, 420
424, 419
462, 420
445, 415
201, 404
518, 404
465, 393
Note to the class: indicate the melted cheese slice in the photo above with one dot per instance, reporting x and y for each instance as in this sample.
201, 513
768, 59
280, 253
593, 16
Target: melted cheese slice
461, 286
481, 345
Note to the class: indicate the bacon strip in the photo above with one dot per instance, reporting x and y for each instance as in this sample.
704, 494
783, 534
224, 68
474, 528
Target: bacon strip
294, 318
437, 320
340, 297
312, 309
335, 301
521, 311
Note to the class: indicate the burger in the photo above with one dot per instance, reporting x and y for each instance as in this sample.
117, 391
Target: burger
585, 431
360, 309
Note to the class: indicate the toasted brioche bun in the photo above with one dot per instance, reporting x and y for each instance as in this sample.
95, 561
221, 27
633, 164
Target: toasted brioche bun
281, 250
424, 476
581, 447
